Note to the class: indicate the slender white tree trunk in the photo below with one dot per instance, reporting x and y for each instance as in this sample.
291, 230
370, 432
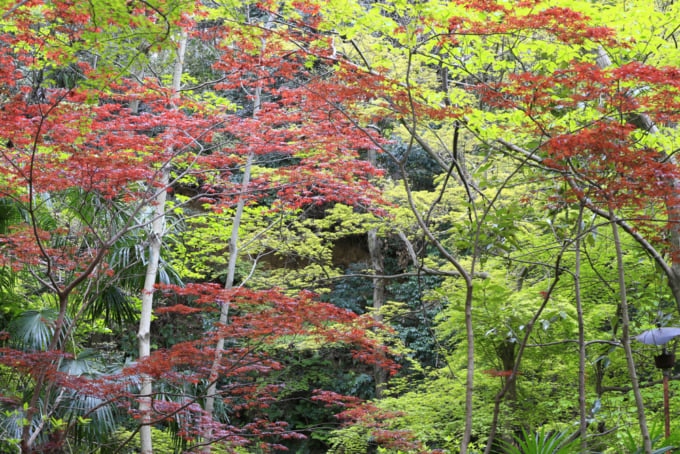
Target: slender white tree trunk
144, 333
375, 245
224, 310
378, 264
155, 242
625, 338
229, 284
583, 422
231, 271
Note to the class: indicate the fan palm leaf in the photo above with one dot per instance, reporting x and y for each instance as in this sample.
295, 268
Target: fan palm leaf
91, 418
114, 304
33, 329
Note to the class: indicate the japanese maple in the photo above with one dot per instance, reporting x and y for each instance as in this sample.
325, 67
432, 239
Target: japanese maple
88, 147
526, 79
110, 136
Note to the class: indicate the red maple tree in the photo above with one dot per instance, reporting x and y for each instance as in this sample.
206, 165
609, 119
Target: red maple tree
85, 135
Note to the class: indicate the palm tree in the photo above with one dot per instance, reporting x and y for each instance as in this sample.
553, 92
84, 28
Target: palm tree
65, 413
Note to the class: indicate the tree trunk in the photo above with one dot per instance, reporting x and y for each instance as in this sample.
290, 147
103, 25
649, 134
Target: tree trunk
470, 373
144, 333
155, 243
378, 265
506, 352
229, 284
583, 423
625, 338
224, 309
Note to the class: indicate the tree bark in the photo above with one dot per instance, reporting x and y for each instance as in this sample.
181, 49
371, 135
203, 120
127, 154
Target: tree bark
144, 333
625, 338
583, 422
224, 309
209, 407
155, 243
378, 265
467, 276
375, 246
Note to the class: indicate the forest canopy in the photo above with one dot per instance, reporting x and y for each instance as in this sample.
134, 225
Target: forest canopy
339, 226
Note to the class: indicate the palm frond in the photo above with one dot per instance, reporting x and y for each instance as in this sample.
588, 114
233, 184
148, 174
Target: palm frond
33, 329
167, 273
11, 301
8, 280
92, 418
543, 442
115, 305
11, 426
86, 363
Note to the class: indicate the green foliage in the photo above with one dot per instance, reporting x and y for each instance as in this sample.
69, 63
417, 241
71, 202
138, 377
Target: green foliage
352, 440
115, 305
291, 247
88, 419
311, 367
349, 292
34, 329
92, 418
164, 441
415, 321
413, 73
10, 214
9, 293
431, 408
632, 444
420, 168
543, 441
